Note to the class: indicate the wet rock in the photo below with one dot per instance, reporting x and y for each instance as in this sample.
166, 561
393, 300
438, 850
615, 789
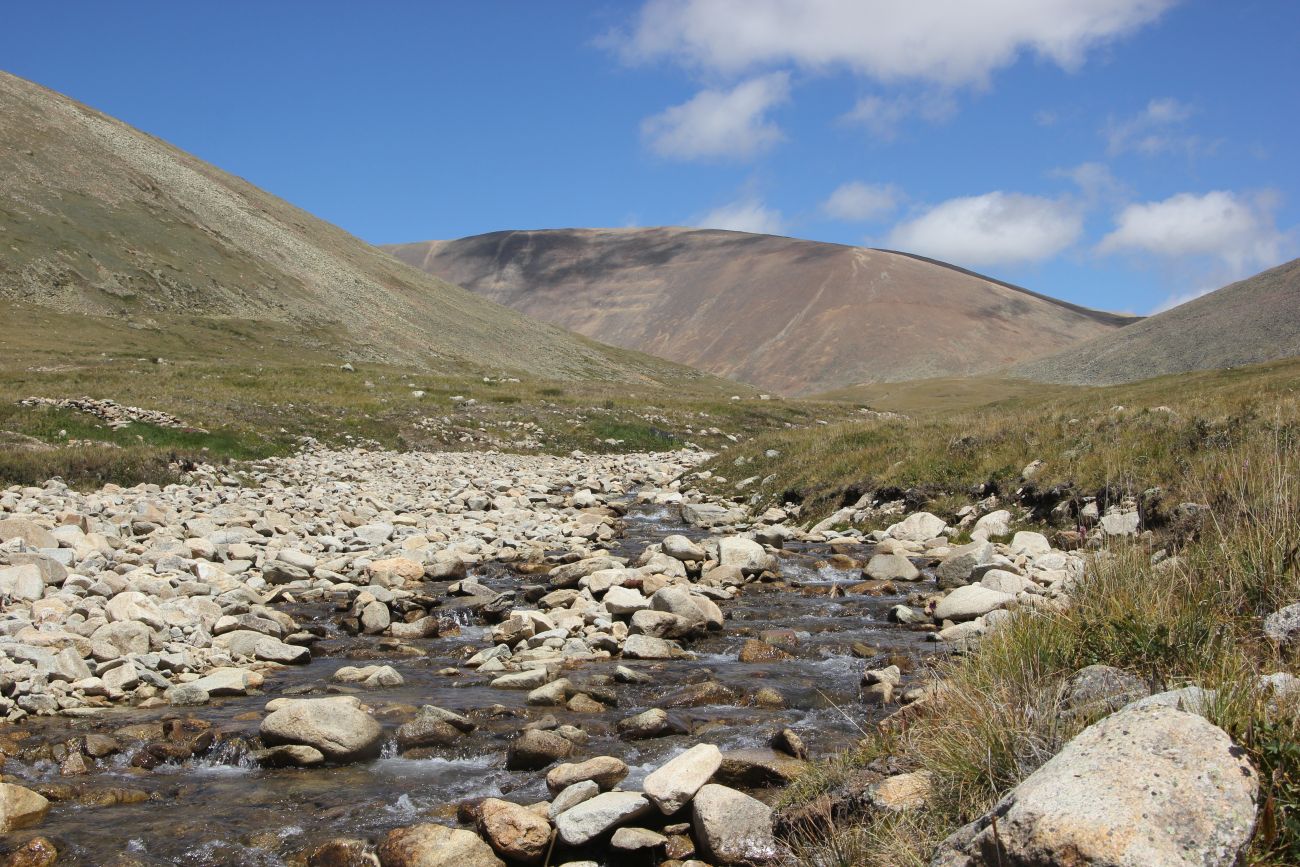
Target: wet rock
36, 852
342, 853
1144, 786
289, 756
435, 846
754, 650
605, 771
672, 785
731, 827
758, 767
20, 808
370, 676
744, 554
788, 741
427, 730
653, 723
515, 832
338, 726
647, 647
594, 817
534, 749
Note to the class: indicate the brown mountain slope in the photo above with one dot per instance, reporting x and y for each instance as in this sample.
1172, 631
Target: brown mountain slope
1255, 320
99, 218
797, 317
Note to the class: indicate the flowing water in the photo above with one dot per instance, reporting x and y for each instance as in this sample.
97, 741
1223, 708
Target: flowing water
223, 809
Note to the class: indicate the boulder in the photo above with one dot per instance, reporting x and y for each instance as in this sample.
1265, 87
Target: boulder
957, 568
20, 808
432, 845
593, 817
891, 567
673, 784
1096, 690
1030, 544
515, 832
681, 548
534, 749
1145, 786
605, 771
731, 827
917, 527
745, 554
1282, 627
32, 534
337, 726
992, 526
969, 602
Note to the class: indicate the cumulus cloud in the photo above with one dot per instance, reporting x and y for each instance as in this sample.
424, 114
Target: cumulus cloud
1237, 230
995, 228
946, 42
859, 202
720, 123
883, 115
1156, 129
747, 214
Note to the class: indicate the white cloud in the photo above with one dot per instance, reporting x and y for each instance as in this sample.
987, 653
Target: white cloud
748, 214
995, 228
1096, 183
1155, 130
1237, 230
946, 42
720, 123
882, 116
859, 202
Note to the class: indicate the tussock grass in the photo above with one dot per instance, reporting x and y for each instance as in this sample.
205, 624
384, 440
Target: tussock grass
1195, 620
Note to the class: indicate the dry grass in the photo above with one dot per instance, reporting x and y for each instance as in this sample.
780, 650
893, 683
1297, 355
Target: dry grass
997, 717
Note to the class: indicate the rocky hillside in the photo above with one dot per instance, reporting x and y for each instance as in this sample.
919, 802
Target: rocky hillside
99, 218
1249, 322
792, 316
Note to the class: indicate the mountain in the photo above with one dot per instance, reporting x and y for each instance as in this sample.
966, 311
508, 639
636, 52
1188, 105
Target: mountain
98, 218
792, 316
1254, 320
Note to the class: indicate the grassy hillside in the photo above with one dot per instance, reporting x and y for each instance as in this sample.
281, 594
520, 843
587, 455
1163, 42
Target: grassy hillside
100, 219
788, 315
1124, 439
1252, 321
263, 392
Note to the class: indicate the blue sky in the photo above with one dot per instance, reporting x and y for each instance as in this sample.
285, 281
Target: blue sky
1117, 153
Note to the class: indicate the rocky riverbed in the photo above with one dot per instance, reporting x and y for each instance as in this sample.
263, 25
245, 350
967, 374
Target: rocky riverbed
337, 657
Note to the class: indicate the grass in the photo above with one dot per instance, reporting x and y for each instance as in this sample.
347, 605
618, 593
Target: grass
996, 717
257, 397
1109, 442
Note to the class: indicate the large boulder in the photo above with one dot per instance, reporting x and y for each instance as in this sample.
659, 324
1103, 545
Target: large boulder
606, 771
891, 567
969, 602
515, 832
435, 846
32, 534
1145, 786
672, 785
534, 749
961, 562
595, 816
731, 827
745, 554
917, 527
20, 808
338, 726
992, 526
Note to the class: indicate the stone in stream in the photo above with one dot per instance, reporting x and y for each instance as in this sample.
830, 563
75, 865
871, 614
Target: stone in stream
1144, 786
598, 815
427, 730
969, 602
187, 695
745, 554
647, 647
672, 785
337, 726
891, 567
754, 650
515, 832
605, 771
534, 749
635, 839
342, 852
432, 845
289, 756
653, 723
20, 808
731, 827
572, 796
529, 679
681, 548
369, 676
